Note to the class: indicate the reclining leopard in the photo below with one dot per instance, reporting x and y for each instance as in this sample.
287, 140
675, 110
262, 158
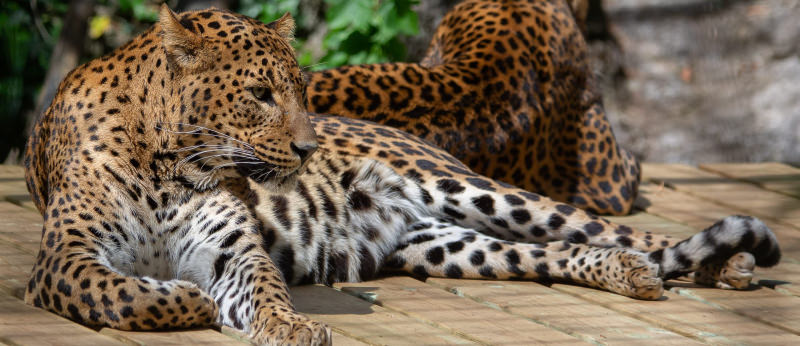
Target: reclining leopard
182, 183
506, 88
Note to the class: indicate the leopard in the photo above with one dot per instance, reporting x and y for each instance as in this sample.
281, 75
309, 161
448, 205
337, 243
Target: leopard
507, 88
183, 183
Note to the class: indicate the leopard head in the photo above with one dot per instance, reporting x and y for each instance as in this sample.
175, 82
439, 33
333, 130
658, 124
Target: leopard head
237, 95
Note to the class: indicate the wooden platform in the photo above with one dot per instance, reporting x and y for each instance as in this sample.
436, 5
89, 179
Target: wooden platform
677, 199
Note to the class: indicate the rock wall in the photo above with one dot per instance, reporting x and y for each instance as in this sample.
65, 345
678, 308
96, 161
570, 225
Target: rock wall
705, 81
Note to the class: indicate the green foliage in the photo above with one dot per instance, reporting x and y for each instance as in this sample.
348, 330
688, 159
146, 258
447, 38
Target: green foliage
25, 45
366, 31
358, 31
114, 22
267, 11
141, 10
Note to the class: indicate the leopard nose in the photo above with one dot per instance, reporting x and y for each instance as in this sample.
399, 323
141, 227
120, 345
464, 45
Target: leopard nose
304, 149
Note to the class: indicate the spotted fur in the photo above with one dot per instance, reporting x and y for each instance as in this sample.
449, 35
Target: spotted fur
396, 200
506, 88
183, 184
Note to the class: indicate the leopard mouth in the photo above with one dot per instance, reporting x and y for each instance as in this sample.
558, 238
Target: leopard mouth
260, 172
265, 173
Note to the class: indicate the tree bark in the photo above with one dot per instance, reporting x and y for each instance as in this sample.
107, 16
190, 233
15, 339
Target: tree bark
65, 57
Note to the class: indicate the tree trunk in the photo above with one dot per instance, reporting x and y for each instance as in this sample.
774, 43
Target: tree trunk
66, 55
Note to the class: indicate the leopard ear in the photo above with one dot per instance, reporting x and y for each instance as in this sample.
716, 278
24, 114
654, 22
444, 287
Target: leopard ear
185, 49
284, 26
580, 10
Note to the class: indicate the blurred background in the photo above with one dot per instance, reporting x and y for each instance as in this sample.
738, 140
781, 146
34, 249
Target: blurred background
683, 80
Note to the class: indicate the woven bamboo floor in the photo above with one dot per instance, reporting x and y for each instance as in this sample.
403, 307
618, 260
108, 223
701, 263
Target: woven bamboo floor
675, 199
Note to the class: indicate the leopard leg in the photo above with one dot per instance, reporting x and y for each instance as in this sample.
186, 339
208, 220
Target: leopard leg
735, 273
439, 248
506, 212
223, 252
74, 276
509, 213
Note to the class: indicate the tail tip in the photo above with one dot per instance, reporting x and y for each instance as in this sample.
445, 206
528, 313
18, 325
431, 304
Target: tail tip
767, 252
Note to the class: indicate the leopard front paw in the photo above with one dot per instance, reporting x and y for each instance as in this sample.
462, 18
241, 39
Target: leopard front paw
634, 275
197, 308
283, 326
735, 273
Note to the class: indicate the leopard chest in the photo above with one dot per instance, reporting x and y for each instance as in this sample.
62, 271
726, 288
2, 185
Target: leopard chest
158, 239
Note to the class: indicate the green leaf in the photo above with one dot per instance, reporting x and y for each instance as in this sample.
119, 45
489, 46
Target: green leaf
394, 50
337, 59
304, 58
98, 26
353, 13
334, 39
359, 31
145, 12
355, 43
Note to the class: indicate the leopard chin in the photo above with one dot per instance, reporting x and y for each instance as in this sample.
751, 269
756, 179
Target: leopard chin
286, 181
280, 185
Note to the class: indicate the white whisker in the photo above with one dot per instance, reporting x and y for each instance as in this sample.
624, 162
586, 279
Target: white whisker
212, 133
218, 146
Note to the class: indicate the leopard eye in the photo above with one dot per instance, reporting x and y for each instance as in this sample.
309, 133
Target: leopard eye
263, 95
